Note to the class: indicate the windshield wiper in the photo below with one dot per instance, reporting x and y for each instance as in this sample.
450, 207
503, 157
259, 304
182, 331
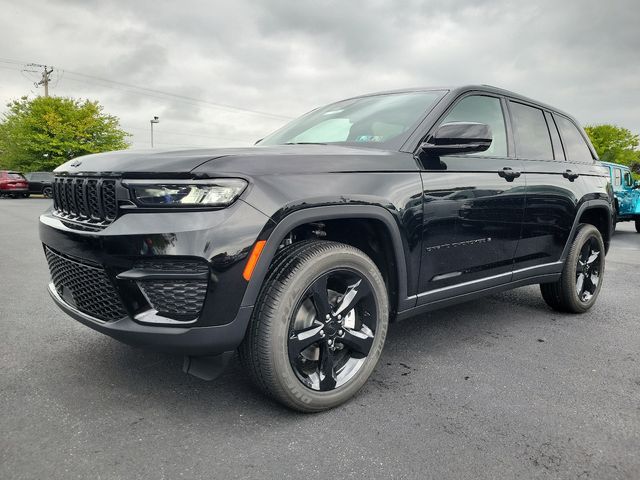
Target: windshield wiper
305, 143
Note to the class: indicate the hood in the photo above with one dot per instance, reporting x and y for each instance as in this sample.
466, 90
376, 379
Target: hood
247, 160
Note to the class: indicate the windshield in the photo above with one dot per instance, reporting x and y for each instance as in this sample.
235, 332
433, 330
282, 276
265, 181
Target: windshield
382, 121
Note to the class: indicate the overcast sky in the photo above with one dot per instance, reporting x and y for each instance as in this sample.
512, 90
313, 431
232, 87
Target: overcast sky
287, 57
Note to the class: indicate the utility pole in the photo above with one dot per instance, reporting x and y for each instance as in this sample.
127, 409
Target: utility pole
45, 79
152, 121
46, 76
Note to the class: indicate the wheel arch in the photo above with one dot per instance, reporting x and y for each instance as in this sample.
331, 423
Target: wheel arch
275, 236
598, 213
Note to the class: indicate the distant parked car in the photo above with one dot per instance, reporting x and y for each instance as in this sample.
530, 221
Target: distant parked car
13, 184
40, 183
627, 192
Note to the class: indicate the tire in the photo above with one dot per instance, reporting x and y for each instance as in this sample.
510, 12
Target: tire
586, 249
638, 225
272, 351
47, 192
26, 195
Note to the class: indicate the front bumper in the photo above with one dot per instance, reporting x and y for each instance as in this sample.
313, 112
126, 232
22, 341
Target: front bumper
220, 240
194, 341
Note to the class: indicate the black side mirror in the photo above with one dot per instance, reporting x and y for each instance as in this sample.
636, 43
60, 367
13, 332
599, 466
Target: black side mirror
458, 137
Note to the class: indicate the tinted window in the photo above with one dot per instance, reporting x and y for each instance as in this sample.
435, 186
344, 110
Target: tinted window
575, 147
558, 152
481, 109
15, 176
531, 132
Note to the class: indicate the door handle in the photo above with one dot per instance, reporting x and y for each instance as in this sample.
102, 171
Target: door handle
568, 174
509, 174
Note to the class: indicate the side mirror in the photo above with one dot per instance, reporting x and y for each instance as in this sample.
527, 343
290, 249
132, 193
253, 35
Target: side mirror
458, 137
636, 184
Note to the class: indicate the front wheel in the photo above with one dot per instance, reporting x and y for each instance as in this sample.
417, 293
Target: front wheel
582, 274
47, 192
319, 326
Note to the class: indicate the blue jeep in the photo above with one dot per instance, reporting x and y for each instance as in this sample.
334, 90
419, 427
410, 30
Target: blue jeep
627, 194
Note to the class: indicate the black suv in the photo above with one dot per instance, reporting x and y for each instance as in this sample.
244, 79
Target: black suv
40, 183
299, 251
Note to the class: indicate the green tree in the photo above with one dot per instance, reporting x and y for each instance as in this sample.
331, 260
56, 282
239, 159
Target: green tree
42, 133
614, 144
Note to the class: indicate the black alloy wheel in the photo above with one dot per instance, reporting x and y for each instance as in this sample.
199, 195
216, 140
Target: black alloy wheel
588, 269
332, 330
318, 327
581, 280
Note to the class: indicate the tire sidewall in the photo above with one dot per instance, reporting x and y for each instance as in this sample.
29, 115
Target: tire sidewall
569, 281
302, 396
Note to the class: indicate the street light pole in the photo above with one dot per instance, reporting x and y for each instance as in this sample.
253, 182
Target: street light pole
152, 121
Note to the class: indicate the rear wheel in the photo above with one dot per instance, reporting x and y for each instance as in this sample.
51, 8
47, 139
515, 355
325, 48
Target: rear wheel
582, 275
26, 195
47, 192
319, 326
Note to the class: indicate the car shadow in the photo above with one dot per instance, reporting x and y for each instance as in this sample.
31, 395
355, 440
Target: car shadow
146, 377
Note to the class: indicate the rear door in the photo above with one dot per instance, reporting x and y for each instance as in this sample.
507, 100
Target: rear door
553, 164
473, 208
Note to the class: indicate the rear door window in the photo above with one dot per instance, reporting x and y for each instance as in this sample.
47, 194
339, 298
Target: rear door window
575, 146
531, 132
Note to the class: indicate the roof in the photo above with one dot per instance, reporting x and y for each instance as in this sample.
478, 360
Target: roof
456, 90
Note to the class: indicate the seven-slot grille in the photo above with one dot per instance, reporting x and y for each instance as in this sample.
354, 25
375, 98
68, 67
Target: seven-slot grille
87, 287
88, 200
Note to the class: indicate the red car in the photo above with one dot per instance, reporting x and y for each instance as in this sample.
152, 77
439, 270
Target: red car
13, 184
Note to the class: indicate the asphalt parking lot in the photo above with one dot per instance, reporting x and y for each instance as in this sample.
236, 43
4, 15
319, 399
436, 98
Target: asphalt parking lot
501, 387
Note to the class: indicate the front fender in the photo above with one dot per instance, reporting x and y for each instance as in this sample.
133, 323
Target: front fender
274, 237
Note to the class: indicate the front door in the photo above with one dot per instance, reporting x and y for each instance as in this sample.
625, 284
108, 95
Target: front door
473, 209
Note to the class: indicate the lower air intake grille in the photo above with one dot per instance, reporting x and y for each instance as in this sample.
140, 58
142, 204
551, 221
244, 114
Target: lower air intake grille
178, 299
86, 287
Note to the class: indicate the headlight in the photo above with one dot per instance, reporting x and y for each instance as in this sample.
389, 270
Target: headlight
218, 192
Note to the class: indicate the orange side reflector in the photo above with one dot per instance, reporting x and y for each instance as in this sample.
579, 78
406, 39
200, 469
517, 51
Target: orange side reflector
253, 259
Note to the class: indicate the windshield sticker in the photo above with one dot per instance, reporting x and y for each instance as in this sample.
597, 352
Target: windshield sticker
369, 138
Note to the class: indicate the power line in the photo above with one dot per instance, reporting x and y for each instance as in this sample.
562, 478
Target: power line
154, 92
172, 132
178, 96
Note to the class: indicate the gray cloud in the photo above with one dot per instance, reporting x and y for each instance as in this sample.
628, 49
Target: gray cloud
287, 57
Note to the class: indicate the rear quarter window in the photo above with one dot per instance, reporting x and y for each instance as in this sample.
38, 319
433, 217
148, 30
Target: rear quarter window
575, 146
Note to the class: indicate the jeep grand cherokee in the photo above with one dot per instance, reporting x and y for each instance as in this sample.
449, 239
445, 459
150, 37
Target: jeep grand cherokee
299, 251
